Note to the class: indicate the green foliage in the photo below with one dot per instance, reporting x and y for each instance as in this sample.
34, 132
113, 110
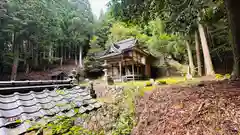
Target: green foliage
152, 37
18, 121
221, 77
145, 89
61, 92
171, 80
162, 82
181, 18
64, 125
227, 76
121, 31
125, 122
42, 28
148, 83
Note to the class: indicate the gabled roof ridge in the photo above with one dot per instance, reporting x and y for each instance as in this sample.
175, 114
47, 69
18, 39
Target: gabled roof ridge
125, 40
114, 47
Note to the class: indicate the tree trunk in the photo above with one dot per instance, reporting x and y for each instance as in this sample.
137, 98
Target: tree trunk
80, 56
27, 69
61, 55
50, 55
36, 57
166, 66
207, 57
233, 11
65, 54
44, 54
25, 50
76, 60
190, 58
198, 55
69, 53
16, 58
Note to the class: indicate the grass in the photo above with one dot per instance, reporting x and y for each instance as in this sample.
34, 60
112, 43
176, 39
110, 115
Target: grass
132, 83
83, 83
167, 80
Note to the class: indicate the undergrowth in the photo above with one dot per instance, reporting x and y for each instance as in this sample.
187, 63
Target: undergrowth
63, 126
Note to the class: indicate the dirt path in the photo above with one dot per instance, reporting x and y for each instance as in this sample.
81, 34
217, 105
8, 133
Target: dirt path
209, 109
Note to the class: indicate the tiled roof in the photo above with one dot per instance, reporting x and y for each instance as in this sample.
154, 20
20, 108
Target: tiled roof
19, 111
110, 55
125, 44
118, 47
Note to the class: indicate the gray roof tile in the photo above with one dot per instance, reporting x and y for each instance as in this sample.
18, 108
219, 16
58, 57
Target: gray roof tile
41, 107
125, 44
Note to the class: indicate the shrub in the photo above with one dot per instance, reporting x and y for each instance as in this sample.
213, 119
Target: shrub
219, 76
161, 82
148, 83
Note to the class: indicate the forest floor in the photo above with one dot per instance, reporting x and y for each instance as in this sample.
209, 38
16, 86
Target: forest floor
210, 108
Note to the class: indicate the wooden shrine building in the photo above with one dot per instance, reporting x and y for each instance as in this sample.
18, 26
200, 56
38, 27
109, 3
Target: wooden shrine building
125, 60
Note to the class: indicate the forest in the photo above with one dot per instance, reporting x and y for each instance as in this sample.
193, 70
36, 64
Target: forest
199, 37
37, 35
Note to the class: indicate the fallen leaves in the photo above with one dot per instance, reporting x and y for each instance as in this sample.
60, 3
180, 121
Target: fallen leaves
209, 109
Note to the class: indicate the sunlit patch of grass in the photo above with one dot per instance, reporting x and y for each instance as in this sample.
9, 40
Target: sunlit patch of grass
132, 83
146, 89
221, 77
172, 80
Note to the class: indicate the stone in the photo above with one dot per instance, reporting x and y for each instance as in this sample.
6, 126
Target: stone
152, 81
189, 77
94, 119
98, 117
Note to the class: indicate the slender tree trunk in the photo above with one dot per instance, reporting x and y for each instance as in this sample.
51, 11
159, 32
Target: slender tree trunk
80, 56
190, 58
16, 57
61, 55
36, 57
27, 60
76, 61
69, 53
166, 65
198, 55
233, 11
50, 54
27, 69
207, 57
25, 49
44, 54
65, 54
27, 57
